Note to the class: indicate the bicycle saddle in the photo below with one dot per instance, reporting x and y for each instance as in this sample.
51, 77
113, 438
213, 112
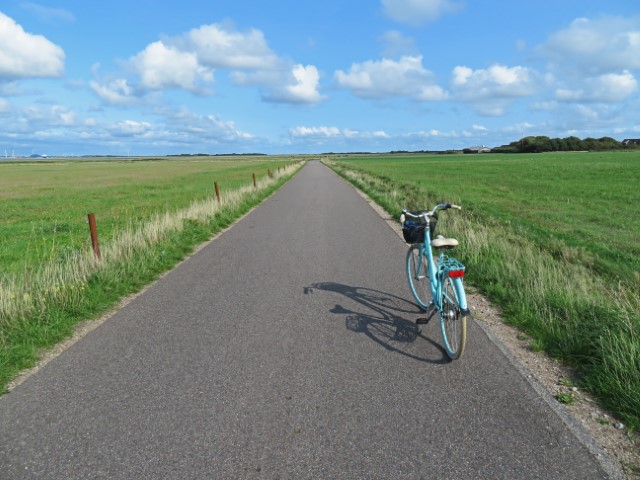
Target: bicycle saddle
442, 242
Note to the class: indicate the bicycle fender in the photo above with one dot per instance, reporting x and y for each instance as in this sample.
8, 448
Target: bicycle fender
462, 297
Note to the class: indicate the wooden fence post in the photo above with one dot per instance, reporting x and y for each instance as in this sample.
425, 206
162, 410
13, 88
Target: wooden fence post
95, 245
217, 191
254, 180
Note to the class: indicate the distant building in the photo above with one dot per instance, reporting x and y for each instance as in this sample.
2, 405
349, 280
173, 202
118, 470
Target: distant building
37, 155
476, 149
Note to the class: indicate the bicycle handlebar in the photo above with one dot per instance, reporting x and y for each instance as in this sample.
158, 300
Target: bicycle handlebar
428, 213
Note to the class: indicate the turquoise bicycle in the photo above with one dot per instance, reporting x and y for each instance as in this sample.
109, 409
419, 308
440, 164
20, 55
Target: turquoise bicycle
436, 285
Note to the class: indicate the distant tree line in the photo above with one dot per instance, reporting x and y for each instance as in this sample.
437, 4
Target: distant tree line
540, 144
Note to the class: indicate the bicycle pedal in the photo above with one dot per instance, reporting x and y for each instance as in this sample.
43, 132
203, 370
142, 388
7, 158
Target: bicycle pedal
422, 321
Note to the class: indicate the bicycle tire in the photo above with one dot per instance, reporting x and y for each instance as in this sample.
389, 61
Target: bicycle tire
453, 320
418, 279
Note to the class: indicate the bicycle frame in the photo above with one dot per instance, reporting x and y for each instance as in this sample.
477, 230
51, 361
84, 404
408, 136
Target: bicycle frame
445, 280
437, 274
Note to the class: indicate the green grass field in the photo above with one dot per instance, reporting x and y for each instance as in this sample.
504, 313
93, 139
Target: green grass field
554, 239
150, 215
581, 206
45, 204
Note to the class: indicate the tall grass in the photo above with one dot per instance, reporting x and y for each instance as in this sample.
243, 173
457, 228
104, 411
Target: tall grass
44, 204
587, 320
41, 306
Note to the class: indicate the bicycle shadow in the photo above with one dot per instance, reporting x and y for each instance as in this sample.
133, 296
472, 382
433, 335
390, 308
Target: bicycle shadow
382, 319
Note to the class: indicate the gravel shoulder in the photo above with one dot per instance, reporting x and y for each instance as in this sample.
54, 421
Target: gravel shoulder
552, 379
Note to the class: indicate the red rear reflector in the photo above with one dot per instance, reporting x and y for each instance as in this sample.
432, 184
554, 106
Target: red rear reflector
456, 273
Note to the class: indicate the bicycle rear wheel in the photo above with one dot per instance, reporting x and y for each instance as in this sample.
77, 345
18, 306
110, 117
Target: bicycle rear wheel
453, 321
418, 275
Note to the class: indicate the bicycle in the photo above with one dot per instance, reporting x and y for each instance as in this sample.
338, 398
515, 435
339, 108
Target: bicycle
438, 285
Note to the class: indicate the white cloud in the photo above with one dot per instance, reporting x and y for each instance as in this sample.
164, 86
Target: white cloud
432, 133
298, 84
492, 90
304, 89
476, 131
212, 128
219, 46
24, 55
116, 92
417, 12
187, 62
252, 62
610, 87
58, 128
432, 93
324, 133
177, 128
587, 119
130, 128
380, 134
390, 78
55, 115
595, 46
160, 66
496, 80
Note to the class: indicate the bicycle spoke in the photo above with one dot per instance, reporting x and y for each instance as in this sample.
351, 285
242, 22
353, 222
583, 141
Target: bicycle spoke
452, 321
417, 268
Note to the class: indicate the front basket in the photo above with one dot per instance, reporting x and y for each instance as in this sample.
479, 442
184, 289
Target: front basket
413, 232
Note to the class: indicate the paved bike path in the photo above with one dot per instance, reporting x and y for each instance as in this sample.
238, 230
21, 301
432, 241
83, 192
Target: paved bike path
286, 348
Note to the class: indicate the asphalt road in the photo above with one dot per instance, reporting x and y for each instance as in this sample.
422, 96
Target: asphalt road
286, 348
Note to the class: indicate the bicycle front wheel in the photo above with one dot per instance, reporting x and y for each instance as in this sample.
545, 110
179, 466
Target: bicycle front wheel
418, 275
453, 321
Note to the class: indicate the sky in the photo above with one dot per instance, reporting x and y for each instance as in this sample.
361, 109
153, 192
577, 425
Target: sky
150, 77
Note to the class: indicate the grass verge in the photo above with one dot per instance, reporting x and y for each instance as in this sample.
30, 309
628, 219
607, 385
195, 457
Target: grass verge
589, 321
45, 204
41, 309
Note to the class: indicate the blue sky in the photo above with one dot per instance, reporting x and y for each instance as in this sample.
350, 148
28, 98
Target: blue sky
156, 77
